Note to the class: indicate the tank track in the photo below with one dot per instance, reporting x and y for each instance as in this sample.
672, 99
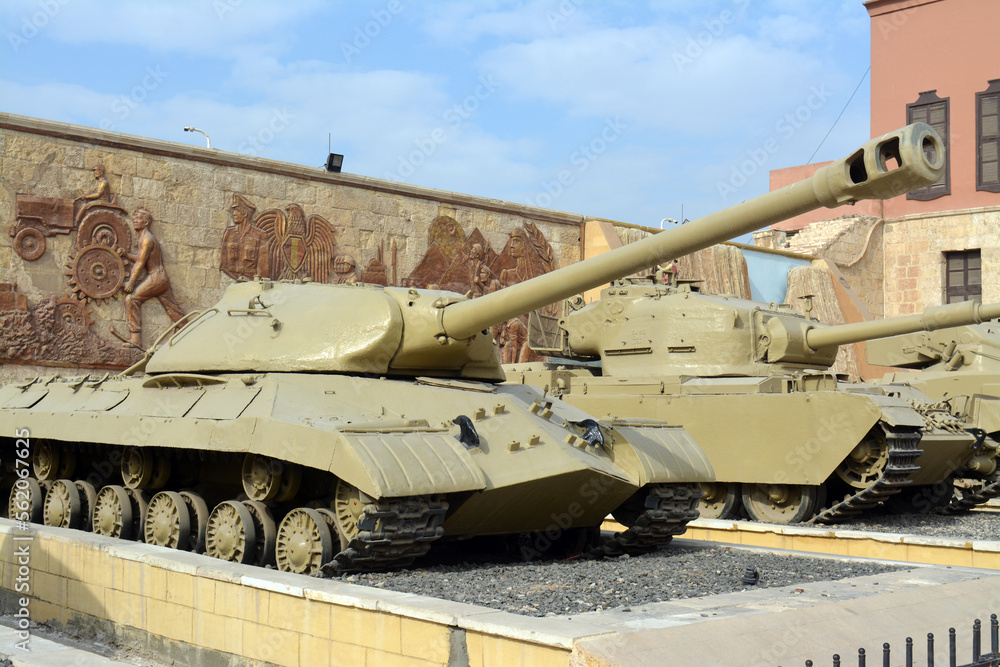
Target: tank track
965, 499
392, 533
667, 510
897, 473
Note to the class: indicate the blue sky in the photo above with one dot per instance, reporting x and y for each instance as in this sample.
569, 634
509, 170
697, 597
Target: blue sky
622, 110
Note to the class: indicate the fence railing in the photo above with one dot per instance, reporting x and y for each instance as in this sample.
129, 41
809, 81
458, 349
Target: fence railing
979, 659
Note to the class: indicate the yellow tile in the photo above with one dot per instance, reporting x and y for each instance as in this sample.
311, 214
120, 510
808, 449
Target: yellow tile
317, 652
43, 612
95, 566
544, 656
218, 633
117, 574
819, 544
126, 608
262, 642
291, 612
49, 588
422, 639
365, 628
237, 601
204, 594
154, 582
180, 588
986, 559
474, 644
169, 620
132, 578
73, 556
375, 658
916, 553
85, 598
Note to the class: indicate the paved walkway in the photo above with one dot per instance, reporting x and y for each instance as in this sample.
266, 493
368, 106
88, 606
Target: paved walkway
45, 652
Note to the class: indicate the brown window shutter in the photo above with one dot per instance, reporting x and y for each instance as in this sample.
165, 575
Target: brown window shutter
988, 138
933, 110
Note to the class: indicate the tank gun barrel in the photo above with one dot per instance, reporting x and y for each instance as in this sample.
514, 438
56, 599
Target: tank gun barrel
898, 162
933, 318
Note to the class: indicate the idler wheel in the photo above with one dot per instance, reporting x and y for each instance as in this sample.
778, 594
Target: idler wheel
720, 500
62, 505
168, 523
142, 469
27, 500
865, 463
198, 514
780, 503
304, 542
266, 530
348, 507
266, 479
50, 461
230, 534
88, 496
112, 515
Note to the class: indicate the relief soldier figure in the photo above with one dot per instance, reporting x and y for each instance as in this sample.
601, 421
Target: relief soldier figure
244, 245
156, 283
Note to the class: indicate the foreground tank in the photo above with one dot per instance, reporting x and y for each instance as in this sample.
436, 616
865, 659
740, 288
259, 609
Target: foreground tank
789, 441
959, 366
361, 424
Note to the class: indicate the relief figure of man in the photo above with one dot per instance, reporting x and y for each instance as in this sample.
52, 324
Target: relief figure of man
244, 245
156, 284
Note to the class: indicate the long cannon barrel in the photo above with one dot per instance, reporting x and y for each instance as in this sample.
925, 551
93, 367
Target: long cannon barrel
896, 163
933, 318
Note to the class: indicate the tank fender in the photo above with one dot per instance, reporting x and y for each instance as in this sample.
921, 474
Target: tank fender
391, 464
897, 411
655, 453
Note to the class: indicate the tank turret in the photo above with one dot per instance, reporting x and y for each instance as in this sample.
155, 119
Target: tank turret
638, 325
965, 345
361, 424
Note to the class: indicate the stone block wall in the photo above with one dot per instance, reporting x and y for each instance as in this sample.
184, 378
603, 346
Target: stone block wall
914, 256
190, 191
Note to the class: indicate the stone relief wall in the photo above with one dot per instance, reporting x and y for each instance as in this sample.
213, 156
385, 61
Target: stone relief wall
78, 247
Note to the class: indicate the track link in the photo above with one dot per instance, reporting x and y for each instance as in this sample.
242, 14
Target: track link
392, 533
966, 499
897, 473
667, 509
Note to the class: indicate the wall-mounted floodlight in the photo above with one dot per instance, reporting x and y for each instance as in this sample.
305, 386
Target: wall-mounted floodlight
334, 162
195, 129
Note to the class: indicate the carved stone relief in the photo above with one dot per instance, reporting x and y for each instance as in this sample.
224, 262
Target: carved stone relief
468, 264
97, 270
56, 332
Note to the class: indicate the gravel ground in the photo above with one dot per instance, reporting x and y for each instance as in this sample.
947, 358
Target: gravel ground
573, 587
977, 525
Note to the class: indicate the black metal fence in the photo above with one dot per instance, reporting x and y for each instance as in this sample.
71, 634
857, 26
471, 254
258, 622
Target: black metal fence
979, 659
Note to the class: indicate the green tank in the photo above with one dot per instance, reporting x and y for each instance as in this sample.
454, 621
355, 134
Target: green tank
959, 366
341, 427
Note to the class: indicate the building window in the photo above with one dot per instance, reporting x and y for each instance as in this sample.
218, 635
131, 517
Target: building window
988, 137
931, 109
963, 276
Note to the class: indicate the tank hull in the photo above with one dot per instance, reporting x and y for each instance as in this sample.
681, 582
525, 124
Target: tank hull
743, 424
528, 466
